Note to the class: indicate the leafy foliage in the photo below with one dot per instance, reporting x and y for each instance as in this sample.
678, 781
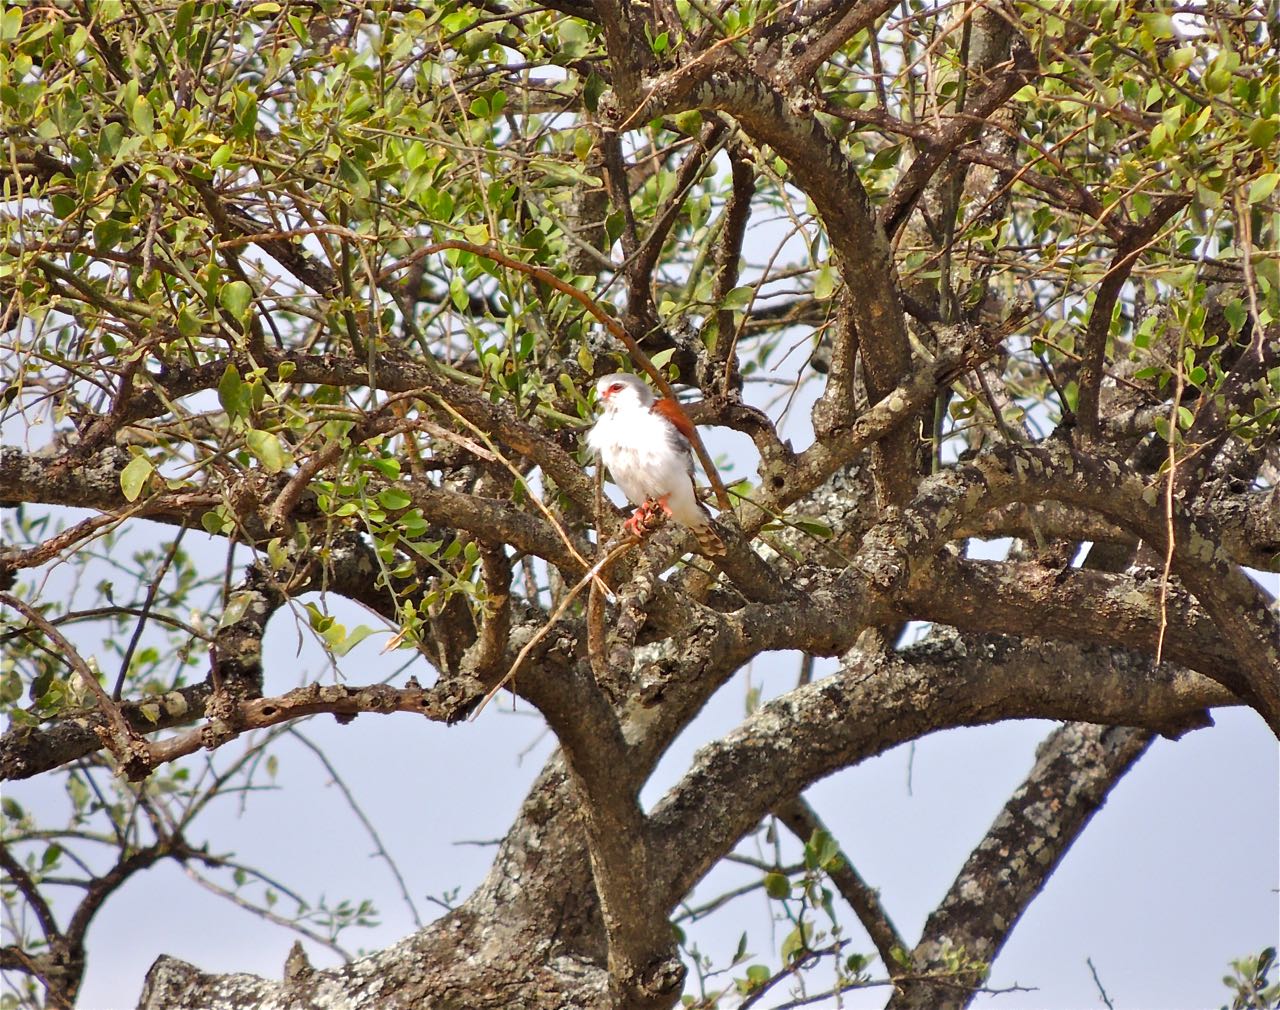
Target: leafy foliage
319, 292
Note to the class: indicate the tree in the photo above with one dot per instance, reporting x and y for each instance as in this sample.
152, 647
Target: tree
330, 283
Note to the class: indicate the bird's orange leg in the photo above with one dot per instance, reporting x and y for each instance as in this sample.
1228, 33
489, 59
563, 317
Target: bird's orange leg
635, 525
642, 521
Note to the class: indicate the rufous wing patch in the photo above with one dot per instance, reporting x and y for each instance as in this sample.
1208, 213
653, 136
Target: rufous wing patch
674, 413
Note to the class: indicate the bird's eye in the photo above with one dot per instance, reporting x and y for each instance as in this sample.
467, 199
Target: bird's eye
615, 388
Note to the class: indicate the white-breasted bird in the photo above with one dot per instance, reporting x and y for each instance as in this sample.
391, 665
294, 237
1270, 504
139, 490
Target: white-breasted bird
646, 444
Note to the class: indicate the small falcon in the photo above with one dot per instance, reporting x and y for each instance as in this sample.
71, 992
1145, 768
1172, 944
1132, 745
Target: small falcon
645, 443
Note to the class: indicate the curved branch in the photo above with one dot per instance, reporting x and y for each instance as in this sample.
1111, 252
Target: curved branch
818, 729
903, 548
29, 750
823, 172
94, 482
1075, 605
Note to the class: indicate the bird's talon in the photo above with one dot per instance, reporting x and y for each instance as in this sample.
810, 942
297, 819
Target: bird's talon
635, 524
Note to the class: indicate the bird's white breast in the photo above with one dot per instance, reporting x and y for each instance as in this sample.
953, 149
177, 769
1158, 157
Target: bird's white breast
638, 448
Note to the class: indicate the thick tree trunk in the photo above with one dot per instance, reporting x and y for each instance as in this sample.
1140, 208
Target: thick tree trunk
529, 938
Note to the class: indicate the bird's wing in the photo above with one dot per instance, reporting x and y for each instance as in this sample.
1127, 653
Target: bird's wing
681, 431
674, 413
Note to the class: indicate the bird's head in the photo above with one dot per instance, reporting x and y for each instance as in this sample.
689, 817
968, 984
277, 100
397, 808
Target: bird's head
623, 391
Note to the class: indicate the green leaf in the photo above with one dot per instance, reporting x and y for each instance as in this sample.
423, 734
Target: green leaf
1236, 314
393, 499
267, 449
388, 466
134, 477
777, 886
1262, 134
887, 157
143, 116
10, 687
213, 522
110, 138
823, 849
1218, 79
11, 23
739, 297
855, 963
237, 606
813, 528
235, 298
663, 357
825, 283
592, 90
1160, 25
689, 122
796, 944
1263, 186
348, 642
232, 393
458, 294
189, 324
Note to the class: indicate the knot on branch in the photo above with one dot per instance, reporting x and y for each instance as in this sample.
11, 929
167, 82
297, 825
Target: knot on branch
883, 558
656, 984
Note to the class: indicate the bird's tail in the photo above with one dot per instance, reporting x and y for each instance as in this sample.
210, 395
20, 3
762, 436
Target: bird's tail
709, 542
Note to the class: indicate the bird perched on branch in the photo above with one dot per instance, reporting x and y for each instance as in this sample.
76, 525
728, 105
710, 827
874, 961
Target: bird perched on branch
645, 443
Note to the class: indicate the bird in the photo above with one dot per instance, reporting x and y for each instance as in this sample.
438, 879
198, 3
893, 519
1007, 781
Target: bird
646, 444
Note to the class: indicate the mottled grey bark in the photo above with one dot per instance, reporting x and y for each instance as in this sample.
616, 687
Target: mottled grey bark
1075, 770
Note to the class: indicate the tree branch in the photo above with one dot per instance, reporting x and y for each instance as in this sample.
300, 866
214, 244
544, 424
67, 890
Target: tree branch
803, 821
1076, 768
815, 729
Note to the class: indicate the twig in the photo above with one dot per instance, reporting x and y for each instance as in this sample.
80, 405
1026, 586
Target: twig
542, 633
586, 301
803, 821
380, 850
265, 913
794, 968
1246, 262
152, 591
24, 883
1176, 405
122, 737
1098, 982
